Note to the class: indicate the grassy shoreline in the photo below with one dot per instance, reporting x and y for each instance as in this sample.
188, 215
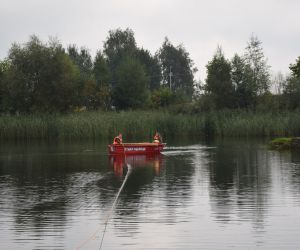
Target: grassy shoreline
104, 125
284, 143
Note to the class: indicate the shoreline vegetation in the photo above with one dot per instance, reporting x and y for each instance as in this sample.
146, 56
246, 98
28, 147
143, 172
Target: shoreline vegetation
134, 124
285, 143
48, 91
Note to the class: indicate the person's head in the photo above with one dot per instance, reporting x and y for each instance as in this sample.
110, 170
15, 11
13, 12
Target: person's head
120, 135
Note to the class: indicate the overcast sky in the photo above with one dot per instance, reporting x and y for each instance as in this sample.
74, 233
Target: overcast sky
199, 25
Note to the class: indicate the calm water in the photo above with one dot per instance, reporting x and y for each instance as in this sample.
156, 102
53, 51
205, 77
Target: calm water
218, 195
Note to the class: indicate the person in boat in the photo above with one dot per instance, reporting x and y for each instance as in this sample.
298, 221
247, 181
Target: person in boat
118, 139
157, 138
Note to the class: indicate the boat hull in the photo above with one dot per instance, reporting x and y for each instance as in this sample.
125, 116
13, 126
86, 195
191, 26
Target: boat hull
117, 162
135, 148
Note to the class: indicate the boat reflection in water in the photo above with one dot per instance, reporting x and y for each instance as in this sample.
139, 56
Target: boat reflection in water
118, 162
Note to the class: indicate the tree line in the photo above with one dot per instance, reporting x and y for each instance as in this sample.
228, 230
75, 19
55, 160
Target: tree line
46, 77
245, 82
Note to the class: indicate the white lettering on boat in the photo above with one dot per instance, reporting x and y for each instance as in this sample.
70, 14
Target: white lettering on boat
135, 149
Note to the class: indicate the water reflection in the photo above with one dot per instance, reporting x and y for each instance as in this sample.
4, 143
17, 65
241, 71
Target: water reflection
190, 197
119, 162
240, 181
295, 156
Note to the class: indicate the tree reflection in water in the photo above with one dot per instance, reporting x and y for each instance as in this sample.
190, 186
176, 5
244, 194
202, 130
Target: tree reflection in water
52, 196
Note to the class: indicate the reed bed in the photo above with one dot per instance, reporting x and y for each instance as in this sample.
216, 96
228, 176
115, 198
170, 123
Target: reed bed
143, 124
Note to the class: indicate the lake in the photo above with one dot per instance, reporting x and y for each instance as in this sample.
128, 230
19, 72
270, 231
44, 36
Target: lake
219, 194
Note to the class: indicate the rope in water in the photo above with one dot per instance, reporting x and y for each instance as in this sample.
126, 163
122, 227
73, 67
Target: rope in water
129, 169
115, 202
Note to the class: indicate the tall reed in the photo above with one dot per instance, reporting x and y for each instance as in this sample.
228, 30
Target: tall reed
143, 124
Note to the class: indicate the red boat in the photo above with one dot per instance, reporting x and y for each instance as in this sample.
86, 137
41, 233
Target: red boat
136, 148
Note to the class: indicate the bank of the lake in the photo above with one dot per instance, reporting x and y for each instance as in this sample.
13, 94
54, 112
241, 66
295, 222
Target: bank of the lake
97, 125
283, 143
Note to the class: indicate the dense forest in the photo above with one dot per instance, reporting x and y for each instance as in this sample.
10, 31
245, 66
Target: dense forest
38, 77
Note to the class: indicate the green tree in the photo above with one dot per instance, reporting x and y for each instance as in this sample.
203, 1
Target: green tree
101, 70
41, 77
218, 82
96, 96
131, 86
118, 45
83, 60
152, 68
245, 89
161, 97
178, 61
62, 92
257, 62
99, 90
295, 68
121, 45
3, 71
291, 90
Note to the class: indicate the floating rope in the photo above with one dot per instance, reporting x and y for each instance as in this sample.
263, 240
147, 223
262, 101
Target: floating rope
129, 169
